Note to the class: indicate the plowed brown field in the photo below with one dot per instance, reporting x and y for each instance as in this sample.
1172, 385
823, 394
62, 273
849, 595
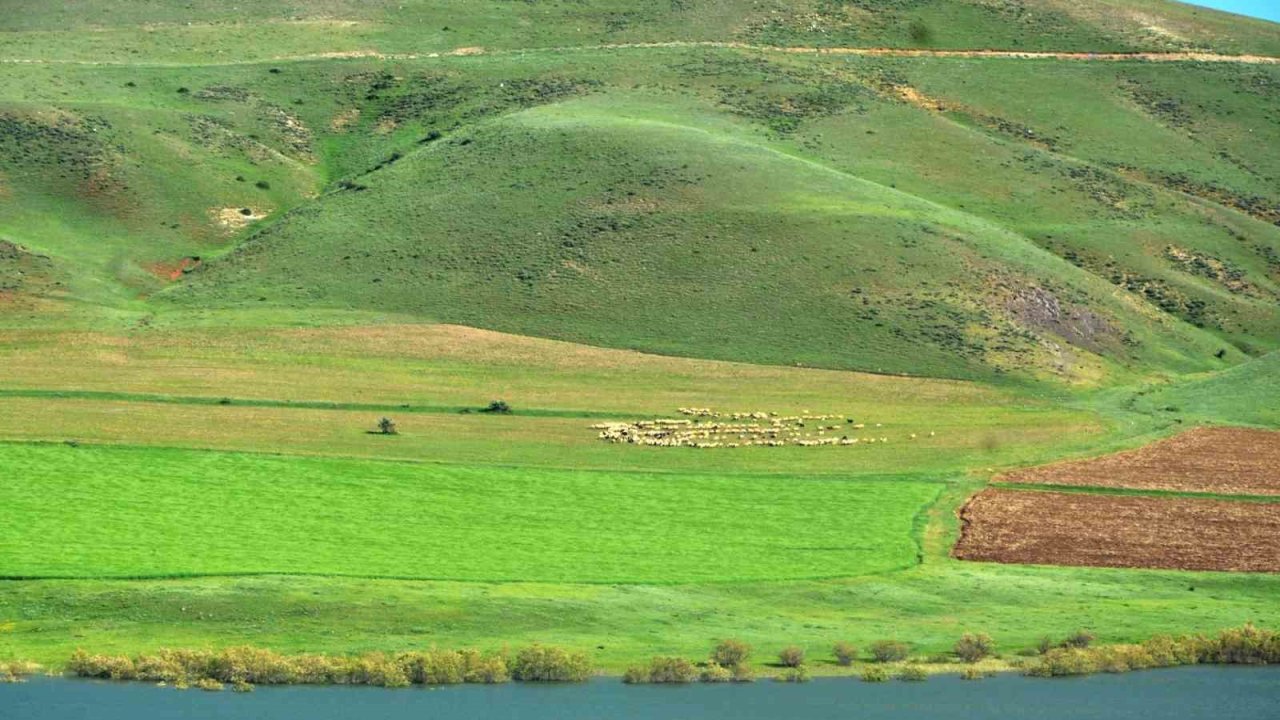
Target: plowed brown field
1237, 461
1051, 528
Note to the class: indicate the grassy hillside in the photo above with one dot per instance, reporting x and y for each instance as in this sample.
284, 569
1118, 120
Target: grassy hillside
205, 31
879, 214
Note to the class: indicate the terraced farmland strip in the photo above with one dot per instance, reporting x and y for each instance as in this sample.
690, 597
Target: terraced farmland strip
1049, 528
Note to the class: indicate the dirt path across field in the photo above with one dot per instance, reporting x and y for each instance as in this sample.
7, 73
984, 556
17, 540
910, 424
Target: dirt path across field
1181, 56
1127, 531
1222, 460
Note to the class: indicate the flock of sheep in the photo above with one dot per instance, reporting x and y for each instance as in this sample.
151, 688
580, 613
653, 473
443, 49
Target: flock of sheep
731, 430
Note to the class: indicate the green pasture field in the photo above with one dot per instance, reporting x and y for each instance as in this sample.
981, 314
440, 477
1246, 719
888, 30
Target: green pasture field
196, 513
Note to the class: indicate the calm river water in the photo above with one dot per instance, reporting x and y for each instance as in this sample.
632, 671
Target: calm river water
1195, 692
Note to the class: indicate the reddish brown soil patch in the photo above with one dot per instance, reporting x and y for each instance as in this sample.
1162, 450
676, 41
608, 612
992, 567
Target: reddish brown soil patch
172, 270
1048, 528
1237, 461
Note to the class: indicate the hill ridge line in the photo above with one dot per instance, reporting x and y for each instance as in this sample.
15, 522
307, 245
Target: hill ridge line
1073, 56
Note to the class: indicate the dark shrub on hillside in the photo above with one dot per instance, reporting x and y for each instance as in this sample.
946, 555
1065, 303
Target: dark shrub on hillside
262, 185
919, 32
1045, 645
499, 407
845, 653
889, 651
387, 426
541, 663
791, 657
731, 653
972, 648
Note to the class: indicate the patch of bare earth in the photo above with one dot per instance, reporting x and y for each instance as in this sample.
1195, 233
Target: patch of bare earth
231, 219
1239, 461
1048, 528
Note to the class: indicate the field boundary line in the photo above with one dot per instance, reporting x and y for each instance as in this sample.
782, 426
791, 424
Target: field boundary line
875, 52
161, 398
942, 479
1131, 492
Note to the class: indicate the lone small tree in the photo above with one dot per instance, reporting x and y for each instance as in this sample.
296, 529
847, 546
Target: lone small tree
387, 426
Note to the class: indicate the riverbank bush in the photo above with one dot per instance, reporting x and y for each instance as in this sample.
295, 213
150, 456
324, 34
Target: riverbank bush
714, 673
796, 674
1245, 645
973, 647
874, 673
239, 666
15, 671
542, 663
913, 673
661, 669
845, 653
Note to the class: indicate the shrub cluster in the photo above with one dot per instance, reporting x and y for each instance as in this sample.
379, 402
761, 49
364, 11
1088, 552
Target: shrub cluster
793, 674
544, 663
663, 670
845, 653
243, 667
913, 673
874, 673
889, 651
1245, 645
730, 656
791, 656
973, 647
14, 671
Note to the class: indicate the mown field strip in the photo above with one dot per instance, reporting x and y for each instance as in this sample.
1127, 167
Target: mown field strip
129, 512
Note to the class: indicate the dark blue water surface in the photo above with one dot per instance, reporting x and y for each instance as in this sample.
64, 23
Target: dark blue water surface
1194, 692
